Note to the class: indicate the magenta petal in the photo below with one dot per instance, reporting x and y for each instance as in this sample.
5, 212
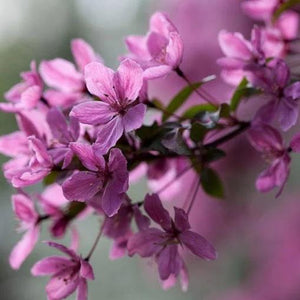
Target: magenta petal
181, 220
168, 262
293, 91
174, 51
129, 80
87, 156
86, 270
23, 208
23, 248
134, 117
31, 96
137, 45
157, 44
63, 249
99, 81
288, 113
83, 53
295, 143
146, 242
82, 186
14, 144
61, 74
50, 265
108, 135
234, 45
198, 245
93, 112
58, 288
82, 292
117, 185
156, 211
157, 72
265, 138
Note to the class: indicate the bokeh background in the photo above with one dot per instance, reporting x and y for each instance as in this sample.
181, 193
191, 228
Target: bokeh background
257, 236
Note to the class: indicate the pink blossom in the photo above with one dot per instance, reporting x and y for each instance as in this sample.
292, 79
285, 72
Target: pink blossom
120, 110
268, 141
160, 51
53, 204
260, 9
118, 227
67, 274
24, 95
284, 98
63, 133
163, 244
38, 165
66, 82
25, 212
245, 58
104, 183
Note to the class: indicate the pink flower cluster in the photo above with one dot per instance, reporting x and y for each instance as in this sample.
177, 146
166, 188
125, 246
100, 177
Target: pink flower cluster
82, 133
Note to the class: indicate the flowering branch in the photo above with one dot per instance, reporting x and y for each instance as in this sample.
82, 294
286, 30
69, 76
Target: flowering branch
82, 132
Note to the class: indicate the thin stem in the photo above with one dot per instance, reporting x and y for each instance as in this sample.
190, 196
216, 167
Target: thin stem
194, 197
202, 93
192, 187
168, 184
96, 242
243, 126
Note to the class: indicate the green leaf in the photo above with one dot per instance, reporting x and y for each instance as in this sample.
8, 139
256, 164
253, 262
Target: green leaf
197, 132
242, 91
174, 141
179, 99
152, 136
191, 112
212, 154
212, 183
238, 94
50, 178
157, 104
283, 7
224, 110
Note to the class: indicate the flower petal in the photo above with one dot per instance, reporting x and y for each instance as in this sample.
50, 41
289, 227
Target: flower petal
82, 186
23, 208
128, 80
145, 243
181, 220
198, 245
156, 211
234, 45
86, 270
82, 292
83, 53
108, 135
62, 75
169, 262
51, 265
99, 81
134, 117
93, 112
23, 248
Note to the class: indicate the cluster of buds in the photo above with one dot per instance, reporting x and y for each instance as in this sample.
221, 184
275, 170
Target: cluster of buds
82, 133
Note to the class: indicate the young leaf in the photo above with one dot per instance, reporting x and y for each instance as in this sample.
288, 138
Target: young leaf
174, 141
242, 91
179, 99
283, 7
191, 112
197, 132
211, 183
